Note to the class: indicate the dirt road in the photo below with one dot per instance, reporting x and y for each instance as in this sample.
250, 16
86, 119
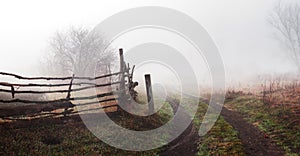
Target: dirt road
255, 142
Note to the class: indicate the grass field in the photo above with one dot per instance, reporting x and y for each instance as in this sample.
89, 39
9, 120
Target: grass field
69, 136
60, 136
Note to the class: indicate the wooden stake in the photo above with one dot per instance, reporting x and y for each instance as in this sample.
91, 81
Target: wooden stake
122, 72
149, 93
122, 79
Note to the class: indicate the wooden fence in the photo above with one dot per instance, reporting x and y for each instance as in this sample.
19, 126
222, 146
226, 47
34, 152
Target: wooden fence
124, 90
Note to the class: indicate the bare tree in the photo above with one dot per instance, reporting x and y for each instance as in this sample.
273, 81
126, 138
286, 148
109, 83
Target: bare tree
76, 51
285, 18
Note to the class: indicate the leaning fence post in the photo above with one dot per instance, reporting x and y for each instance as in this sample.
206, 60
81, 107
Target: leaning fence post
149, 93
70, 88
12, 91
69, 94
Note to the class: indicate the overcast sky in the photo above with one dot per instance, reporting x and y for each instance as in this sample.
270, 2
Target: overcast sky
239, 29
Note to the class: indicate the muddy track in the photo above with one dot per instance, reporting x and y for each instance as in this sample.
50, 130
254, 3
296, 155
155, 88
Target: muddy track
255, 142
187, 142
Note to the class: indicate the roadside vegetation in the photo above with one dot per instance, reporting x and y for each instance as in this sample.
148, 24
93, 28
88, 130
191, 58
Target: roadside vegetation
280, 124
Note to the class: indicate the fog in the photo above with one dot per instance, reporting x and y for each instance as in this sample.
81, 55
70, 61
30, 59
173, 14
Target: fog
240, 29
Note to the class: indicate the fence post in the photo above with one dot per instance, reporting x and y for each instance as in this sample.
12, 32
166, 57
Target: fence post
122, 77
149, 93
122, 67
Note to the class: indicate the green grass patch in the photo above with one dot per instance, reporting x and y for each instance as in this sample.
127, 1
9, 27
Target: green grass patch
222, 139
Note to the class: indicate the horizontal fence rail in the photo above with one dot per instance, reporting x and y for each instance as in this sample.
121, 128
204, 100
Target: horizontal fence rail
45, 85
58, 78
59, 91
60, 100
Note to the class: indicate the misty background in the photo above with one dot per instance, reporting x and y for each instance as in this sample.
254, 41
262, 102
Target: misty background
246, 41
